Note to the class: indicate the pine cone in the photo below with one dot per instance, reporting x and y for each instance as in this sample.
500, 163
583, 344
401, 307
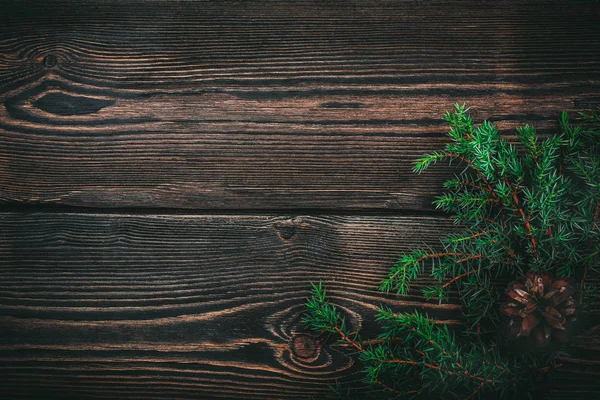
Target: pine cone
540, 307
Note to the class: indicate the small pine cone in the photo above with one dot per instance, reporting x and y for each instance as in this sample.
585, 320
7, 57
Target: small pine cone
540, 307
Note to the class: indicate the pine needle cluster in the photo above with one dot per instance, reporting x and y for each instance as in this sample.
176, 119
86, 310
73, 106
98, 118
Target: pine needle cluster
530, 202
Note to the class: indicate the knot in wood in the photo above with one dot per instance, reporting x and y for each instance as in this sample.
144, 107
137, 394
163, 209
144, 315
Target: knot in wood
50, 61
304, 346
286, 230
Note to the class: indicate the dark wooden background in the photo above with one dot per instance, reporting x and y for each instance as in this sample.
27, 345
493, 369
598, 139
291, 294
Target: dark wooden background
172, 174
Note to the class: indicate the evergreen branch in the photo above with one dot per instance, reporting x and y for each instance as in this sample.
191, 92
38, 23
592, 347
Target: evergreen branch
470, 257
473, 236
427, 161
591, 115
433, 158
489, 220
510, 251
533, 209
473, 185
477, 170
372, 342
438, 368
458, 277
386, 387
400, 274
475, 391
346, 339
359, 347
323, 316
526, 218
427, 337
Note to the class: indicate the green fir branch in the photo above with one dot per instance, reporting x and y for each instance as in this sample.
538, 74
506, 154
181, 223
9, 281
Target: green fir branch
531, 206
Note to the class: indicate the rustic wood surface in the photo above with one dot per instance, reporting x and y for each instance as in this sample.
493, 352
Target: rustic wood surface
197, 306
172, 174
270, 104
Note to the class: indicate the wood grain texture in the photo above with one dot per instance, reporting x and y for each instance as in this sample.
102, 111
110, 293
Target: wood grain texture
270, 105
267, 108
197, 306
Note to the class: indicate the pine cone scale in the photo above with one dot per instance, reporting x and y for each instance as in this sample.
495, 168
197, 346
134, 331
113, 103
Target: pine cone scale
529, 322
519, 295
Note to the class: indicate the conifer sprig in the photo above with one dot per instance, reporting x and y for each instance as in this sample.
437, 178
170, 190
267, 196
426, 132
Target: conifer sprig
531, 206
426, 351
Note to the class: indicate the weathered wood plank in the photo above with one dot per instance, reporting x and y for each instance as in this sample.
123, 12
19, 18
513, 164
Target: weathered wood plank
193, 306
270, 104
186, 306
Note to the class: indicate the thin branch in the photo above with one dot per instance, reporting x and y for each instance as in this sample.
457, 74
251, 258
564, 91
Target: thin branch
354, 344
485, 189
386, 387
491, 221
511, 252
410, 362
361, 349
470, 164
525, 217
497, 201
471, 257
377, 341
438, 368
475, 235
469, 397
423, 258
451, 281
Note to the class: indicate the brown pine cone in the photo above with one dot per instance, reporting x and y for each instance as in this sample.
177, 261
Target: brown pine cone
540, 307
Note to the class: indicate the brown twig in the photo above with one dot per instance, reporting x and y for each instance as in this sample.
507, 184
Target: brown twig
470, 164
476, 235
496, 365
426, 257
451, 281
470, 257
497, 201
511, 252
410, 362
386, 387
354, 344
485, 189
380, 341
438, 368
438, 255
469, 397
361, 349
525, 217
